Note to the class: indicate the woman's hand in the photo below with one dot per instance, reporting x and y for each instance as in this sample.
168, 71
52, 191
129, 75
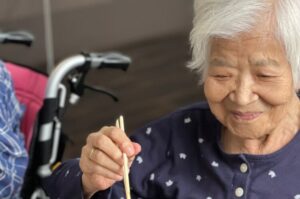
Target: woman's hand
101, 159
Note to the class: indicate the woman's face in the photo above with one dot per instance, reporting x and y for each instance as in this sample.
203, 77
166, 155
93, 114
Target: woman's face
249, 84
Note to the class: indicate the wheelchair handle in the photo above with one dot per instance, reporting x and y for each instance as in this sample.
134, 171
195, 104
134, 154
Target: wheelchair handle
17, 37
111, 60
94, 60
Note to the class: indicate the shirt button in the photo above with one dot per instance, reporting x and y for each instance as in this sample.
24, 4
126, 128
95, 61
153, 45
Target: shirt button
244, 168
239, 192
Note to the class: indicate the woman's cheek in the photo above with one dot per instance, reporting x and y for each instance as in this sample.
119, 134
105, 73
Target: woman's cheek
215, 91
277, 95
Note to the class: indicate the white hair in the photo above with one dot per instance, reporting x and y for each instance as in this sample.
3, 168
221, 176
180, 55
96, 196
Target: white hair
227, 18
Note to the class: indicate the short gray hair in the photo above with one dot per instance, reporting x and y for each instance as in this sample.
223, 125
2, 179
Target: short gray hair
227, 18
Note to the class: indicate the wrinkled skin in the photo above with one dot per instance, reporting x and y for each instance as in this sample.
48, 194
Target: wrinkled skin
249, 87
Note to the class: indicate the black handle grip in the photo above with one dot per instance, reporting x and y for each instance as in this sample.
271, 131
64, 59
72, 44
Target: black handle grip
122, 66
110, 60
26, 42
17, 37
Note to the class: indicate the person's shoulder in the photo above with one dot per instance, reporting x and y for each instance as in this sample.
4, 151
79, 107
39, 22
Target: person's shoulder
2, 66
10, 105
5, 77
3, 70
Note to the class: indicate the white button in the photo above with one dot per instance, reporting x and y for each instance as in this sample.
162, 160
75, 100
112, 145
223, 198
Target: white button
239, 192
244, 168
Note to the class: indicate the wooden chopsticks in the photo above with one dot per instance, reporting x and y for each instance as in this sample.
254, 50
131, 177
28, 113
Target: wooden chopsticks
120, 124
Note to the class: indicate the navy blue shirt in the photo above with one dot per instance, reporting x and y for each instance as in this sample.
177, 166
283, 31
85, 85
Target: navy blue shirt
181, 158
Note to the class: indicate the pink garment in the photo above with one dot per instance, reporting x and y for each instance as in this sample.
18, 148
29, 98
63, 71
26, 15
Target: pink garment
30, 89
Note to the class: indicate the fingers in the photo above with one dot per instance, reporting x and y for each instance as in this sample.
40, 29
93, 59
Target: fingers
89, 166
120, 138
109, 136
104, 148
103, 143
101, 157
137, 147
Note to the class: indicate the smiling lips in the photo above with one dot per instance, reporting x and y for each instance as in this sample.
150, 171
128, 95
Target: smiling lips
246, 116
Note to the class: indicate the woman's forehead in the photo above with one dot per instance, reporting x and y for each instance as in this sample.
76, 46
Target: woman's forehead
246, 42
247, 36
249, 47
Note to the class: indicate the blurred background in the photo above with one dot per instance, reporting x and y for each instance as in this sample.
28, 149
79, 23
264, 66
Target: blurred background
155, 34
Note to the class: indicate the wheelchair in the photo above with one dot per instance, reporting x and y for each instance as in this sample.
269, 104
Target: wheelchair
45, 98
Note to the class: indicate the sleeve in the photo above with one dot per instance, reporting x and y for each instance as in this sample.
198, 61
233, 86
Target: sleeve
13, 155
65, 182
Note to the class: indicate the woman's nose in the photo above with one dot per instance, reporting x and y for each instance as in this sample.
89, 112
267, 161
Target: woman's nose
242, 93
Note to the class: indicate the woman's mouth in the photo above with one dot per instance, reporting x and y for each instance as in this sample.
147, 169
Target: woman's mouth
246, 116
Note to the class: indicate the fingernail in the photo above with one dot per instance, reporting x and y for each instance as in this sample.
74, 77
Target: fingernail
119, 178
129, 150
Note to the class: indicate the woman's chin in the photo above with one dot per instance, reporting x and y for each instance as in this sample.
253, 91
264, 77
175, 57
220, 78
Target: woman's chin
247, 130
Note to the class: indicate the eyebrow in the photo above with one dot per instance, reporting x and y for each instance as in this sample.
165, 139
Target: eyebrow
264, 62
258, 62
219, 62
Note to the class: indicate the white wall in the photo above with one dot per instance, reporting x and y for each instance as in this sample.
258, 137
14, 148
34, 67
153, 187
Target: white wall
16, 9
91, 24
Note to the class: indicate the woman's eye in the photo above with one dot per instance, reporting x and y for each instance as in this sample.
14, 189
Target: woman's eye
264, 76
221, 77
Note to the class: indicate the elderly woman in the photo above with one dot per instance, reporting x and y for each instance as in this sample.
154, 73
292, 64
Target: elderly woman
242, 143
